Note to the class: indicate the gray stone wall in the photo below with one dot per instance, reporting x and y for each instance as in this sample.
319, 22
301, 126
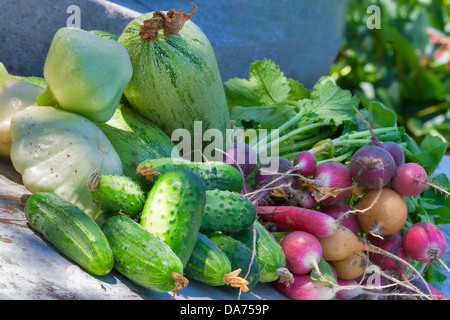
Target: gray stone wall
302, 36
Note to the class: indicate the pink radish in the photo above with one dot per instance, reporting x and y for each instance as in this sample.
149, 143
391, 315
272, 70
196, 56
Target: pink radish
304, 288
332, 181
424, 242
370, 164
305, 163
409, 179
337, 210
302, 251
296, 218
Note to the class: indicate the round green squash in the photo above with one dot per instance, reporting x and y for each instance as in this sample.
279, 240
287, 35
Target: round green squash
176, 80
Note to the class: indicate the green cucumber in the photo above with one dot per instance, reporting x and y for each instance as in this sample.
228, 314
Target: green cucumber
227, 211
114, 193
240, 256
269, 253
75, 234
210, 265
174, 210
136, 139
215, 174
141, 256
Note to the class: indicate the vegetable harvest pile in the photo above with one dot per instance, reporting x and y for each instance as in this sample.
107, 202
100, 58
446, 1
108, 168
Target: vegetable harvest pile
336, 202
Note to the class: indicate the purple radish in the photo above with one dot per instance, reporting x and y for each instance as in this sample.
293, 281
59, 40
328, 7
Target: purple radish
247, 188
394, 245
269, 176
410, 179
370, 164
270, 170
305, 163
336, 210
241, 155
348, 294
332, 182
396, 152
304, 199
424, 242
302, 251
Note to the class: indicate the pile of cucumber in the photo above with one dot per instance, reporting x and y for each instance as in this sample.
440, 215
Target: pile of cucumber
179, 220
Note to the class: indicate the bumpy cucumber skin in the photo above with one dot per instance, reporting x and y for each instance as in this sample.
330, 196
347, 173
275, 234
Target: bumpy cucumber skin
71, 231
139, 255
174, 209
239, 255
215, 174
207, 263
115, 193
227, 212
269, 253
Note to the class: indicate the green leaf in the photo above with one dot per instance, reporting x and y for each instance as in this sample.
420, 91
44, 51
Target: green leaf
266, 85
326, 272
298, 91
330, 102
269, 117
381, 117
432, 149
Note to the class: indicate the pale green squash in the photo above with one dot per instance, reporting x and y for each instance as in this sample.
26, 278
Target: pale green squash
176, 80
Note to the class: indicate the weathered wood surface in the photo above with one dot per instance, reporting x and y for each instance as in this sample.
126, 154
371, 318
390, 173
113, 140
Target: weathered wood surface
32, 269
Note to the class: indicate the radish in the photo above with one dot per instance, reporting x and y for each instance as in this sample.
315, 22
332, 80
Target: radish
394, 245
241, 155
396, 152
382, 212
301, 219
305, 163
410, 180
372, 166
424, 242
338, 211
331, 182
271, 177
347, 294
304, 198
247, 188
305, 288
351, 267
302, 251
270, 169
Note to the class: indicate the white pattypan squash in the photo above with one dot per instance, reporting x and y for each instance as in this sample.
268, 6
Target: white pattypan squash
15, 95
57, 151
